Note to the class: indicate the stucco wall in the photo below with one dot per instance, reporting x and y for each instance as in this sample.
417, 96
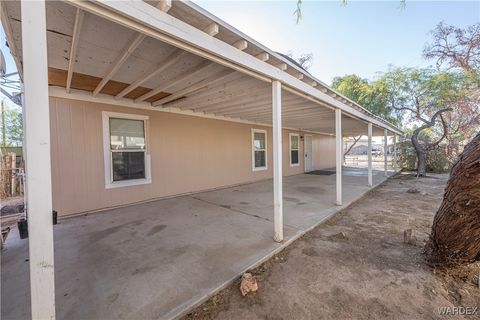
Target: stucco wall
187, 154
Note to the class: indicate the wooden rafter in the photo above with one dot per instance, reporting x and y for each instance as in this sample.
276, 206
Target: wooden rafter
215, 78
127, 51
73, 48
180, 78
212, 29
263, 56
241, 44
164, 5
168, 62
282, 66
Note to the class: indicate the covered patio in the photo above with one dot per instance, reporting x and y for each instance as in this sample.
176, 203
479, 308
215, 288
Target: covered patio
156, 260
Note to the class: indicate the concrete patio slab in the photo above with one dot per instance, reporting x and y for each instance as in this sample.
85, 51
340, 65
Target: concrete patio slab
155, 260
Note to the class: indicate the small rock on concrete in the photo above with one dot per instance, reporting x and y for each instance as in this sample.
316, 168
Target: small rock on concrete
413, 190
248, 284
339, 236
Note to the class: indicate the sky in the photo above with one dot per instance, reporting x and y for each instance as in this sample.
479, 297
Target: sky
362, 37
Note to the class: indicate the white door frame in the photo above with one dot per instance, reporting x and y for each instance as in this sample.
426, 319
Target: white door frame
305, 151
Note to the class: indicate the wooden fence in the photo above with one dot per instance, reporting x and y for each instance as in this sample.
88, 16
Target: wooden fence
12, 175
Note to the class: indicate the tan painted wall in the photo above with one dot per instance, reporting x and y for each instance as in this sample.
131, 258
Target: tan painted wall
187, 154
323, 152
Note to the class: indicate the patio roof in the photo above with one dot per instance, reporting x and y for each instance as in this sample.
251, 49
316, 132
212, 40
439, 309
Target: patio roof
97, 53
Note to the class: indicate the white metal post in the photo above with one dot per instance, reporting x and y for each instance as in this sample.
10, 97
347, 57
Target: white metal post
385, 151
277, 160
338, 154
38, 166
369, 152
395, 152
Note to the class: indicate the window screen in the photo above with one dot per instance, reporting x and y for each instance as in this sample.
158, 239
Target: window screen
127, 147
294, 149
259, 149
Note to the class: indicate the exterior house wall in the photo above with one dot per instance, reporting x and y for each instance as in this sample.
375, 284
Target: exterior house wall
323, 152
188, 154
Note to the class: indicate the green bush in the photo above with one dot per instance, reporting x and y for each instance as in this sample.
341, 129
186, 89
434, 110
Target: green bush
438, 160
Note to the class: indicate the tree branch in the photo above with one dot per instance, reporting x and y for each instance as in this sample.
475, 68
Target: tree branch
355, 140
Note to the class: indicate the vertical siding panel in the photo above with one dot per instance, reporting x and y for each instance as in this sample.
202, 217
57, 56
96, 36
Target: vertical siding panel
65, 153
80, 155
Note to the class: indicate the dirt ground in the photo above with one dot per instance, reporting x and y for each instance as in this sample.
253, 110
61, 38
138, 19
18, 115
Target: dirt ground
370, 274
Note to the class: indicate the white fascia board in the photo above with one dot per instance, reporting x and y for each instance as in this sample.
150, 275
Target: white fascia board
139, 16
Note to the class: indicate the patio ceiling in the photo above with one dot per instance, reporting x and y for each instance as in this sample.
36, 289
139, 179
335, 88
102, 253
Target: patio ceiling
91, 55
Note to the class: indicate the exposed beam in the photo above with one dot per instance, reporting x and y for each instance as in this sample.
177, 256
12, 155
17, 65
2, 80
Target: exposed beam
127, 51
212, 29
164, 5
282, 66
300, 76
180, 78
313, 83
215, 78
165, 64
73, 48
225, 91
245, 99
263, 56
241, 44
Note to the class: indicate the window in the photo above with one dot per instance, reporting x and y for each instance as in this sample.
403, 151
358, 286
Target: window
259, 149
294, 149
127, 160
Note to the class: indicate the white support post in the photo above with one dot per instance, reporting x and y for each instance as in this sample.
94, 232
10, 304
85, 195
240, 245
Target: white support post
277, 160
338, 154
385, 152
369, 151
395, 166
37, 156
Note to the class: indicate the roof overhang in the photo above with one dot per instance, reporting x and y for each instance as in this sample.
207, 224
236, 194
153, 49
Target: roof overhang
190, 62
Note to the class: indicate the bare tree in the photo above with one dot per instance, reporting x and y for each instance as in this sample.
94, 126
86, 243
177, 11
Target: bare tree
455, 47
355, 140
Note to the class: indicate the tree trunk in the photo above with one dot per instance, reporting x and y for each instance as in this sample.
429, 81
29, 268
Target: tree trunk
455, 235
422, 163
421, 155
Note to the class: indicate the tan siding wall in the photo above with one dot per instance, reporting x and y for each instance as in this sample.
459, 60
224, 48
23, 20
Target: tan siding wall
187, 154
323, 152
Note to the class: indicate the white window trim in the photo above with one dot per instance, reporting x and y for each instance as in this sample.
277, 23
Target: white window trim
290, 135
109, 183
253, 150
